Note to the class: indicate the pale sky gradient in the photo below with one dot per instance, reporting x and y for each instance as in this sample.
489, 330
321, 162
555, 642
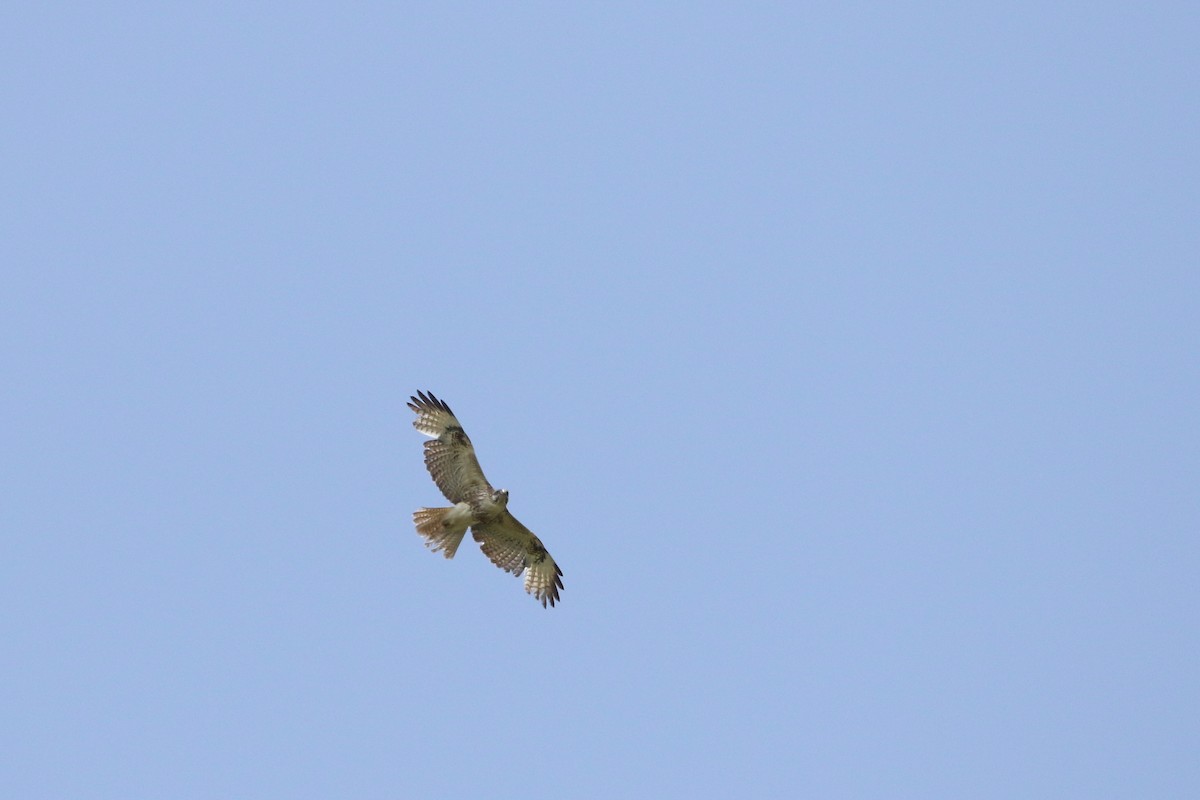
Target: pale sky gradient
846, 359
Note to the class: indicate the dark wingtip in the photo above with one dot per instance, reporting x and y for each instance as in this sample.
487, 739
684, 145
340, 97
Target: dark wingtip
428, 400
551, 595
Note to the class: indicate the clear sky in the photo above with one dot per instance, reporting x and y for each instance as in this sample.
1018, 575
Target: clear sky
846, 358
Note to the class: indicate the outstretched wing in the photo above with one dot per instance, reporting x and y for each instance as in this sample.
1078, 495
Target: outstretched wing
512, 547
450, 457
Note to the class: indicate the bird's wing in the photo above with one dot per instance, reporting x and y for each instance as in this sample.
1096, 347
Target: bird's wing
512, 547
450, 457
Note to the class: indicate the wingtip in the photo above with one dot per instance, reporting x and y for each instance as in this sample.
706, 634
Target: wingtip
551, 595
428, 400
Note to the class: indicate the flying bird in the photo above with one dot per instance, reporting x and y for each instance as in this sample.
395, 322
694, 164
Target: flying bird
450, 459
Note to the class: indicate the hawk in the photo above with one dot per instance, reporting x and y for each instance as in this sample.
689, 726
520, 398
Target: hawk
450, 459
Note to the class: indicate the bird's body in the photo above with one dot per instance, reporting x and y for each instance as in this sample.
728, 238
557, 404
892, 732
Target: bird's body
450, 459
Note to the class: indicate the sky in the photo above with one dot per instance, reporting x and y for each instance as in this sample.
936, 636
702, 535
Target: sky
845, 356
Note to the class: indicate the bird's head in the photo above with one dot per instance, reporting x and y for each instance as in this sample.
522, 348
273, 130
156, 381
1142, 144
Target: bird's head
500, 496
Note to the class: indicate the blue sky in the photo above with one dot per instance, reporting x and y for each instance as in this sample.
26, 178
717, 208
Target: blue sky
845, 358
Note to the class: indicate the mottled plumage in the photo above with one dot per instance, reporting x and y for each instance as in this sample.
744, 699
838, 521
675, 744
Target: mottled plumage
450, 459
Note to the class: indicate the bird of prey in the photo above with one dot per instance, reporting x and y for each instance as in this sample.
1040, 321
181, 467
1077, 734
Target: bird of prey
450, 459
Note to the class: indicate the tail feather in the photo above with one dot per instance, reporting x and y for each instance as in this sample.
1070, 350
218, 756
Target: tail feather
442, 528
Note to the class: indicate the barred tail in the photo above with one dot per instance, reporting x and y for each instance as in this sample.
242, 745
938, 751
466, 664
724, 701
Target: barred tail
443, 528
